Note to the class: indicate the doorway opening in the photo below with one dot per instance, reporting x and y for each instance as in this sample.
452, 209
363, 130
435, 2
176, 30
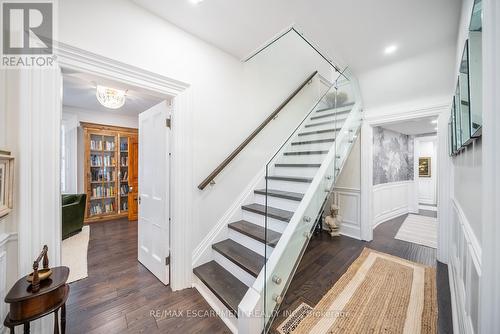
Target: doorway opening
114, 178
405, 178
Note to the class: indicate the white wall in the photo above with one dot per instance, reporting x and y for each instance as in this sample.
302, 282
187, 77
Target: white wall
427, 186
229, 101
348, 191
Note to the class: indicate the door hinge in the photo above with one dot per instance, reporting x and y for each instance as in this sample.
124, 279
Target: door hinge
168, 123
167, 260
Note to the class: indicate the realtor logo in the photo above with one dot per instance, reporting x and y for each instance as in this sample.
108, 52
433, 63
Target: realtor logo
27, 34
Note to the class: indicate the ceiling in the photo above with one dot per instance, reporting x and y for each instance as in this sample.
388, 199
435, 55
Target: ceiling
413, 127
353, 32
79, 91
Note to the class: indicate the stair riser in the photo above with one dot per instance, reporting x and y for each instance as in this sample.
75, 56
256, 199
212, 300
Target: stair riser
296, 171
327, 117
301, 159
233, 268
257, 219
250, 243
328, 135
296, 187
216, 304
328, 126
310, 147
276, 202
338, 110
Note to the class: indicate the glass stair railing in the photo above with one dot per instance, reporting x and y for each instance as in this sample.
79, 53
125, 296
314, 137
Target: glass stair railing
299, 179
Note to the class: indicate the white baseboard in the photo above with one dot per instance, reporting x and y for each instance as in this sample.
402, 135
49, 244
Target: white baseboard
389, 215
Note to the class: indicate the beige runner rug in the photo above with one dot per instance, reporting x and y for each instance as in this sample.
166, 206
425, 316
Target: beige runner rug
379, 293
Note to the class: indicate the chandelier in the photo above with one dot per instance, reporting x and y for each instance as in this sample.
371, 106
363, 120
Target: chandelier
109, 97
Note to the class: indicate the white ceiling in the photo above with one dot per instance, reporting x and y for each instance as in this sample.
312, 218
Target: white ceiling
79, 92
413, 127
352, 32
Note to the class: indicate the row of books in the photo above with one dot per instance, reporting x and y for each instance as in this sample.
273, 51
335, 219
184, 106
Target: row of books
124, 189
102, 175
124, 161
124, 146
97, 145
124, 176
101, 191
100, 208
124, 206
98, 160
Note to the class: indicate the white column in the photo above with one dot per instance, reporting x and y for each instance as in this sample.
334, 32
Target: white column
366, 181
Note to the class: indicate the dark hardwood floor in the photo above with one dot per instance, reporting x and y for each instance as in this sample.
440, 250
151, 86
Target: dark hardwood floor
120, 294
326, 260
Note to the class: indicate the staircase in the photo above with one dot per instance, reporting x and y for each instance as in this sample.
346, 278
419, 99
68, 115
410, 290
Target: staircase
238, 261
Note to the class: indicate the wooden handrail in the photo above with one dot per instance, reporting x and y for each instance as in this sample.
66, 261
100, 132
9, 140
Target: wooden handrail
226, 161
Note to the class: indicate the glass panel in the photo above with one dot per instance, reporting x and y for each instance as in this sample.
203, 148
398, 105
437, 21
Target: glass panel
124, 186
463, 82
307, 165
475, 69
458, 119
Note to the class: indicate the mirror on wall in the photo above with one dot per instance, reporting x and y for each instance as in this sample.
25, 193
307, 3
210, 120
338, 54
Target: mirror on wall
457, 119
475, 68
463, 97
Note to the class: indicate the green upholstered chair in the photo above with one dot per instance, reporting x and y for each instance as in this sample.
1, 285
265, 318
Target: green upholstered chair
73, 213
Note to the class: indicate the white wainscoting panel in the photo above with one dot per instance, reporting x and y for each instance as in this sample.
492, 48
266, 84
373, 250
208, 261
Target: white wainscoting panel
464, 271
349, 202
391, 200
4, 238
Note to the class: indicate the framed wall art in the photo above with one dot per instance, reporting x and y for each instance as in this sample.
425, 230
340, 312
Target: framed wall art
6, 182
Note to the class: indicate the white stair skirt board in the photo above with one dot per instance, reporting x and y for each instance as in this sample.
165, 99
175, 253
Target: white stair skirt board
427, 207
74, 254
420, 230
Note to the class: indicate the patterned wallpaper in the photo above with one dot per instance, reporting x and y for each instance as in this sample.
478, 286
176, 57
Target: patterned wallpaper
392, 156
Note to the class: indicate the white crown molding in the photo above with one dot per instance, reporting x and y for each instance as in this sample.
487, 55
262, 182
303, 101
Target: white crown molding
403, 113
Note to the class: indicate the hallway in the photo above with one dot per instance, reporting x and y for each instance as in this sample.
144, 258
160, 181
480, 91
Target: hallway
327, 259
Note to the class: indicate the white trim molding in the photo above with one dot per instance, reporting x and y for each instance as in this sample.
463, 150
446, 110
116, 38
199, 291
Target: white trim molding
464, 273
349, 202
391, 200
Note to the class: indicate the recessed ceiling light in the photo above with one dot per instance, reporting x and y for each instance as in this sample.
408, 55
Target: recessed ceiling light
195, 2
434, 121
436, 128
390, 49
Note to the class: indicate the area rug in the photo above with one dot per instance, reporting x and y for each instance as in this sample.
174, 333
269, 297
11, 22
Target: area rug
420, 230
290, 324
379, 293
74, 254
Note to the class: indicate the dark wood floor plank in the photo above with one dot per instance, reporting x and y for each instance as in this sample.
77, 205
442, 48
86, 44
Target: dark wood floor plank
326, 259
120, 293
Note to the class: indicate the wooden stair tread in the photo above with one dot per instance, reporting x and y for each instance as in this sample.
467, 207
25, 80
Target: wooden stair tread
222, 283
298, 165
290, 178
275, 213
306, 153
281, 194
318, 132
317, 141
256, 232
243, 257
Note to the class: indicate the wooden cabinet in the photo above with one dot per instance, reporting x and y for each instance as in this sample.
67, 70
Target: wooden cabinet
108, 166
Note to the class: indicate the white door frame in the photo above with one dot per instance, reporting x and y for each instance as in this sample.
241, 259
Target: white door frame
398, 115
182, 184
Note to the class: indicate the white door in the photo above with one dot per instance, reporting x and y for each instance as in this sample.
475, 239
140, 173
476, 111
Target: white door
153, 223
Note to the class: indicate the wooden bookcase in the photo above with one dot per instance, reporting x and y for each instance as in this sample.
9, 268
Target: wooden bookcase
107, 170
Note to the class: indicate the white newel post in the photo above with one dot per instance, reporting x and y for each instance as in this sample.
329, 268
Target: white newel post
37, 153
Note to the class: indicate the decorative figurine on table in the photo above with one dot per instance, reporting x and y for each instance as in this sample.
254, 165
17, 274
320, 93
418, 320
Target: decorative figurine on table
334, 220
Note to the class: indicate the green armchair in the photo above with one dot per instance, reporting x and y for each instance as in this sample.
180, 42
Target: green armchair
73, 213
